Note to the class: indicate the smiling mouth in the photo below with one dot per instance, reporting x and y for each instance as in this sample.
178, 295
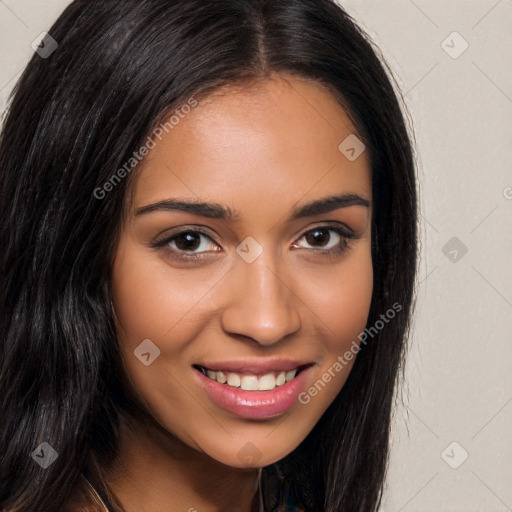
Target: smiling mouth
252, 382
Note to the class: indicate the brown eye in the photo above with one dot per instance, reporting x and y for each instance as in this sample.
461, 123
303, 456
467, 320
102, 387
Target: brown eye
328, 239
193, 244
188, 240
186, 244
318, 236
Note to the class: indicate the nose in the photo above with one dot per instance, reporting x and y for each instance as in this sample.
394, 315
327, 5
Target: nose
262, 304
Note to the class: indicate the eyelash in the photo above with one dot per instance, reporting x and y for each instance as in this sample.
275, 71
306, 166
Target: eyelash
163, 243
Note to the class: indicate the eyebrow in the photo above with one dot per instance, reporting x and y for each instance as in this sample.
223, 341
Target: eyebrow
218, 211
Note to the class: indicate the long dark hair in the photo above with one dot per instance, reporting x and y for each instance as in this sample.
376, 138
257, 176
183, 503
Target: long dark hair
75, 117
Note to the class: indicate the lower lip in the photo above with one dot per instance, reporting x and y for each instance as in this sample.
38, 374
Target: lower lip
254, 404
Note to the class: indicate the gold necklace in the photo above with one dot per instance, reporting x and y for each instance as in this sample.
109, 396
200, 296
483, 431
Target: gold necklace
95, 495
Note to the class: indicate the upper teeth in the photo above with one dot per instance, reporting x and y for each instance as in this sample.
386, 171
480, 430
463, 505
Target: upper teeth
265, 382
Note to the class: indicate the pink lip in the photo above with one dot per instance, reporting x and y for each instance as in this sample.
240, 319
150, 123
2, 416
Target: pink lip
254, 404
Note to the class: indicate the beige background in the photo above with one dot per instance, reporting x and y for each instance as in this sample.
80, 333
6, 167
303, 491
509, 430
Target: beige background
459, 379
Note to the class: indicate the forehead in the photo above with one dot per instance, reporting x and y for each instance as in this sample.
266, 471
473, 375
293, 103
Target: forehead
251, 145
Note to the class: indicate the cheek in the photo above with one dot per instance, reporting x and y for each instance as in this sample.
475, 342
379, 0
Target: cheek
350, 306
343, 305
146, 305
342, 299
137, 296
148, 309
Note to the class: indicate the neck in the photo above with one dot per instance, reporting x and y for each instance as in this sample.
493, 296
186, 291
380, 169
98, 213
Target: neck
157, 471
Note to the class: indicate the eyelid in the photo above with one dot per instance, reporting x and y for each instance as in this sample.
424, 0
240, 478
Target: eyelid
166, 235
162, 240
333, 224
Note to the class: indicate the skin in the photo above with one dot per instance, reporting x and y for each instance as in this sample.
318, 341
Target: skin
262, 150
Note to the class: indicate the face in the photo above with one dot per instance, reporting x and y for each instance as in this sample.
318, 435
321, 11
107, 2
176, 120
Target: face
238, 288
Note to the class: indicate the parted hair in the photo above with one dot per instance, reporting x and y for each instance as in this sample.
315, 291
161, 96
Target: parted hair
74, 118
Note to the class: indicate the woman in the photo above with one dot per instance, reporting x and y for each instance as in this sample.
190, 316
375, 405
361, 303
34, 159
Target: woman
209, 256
